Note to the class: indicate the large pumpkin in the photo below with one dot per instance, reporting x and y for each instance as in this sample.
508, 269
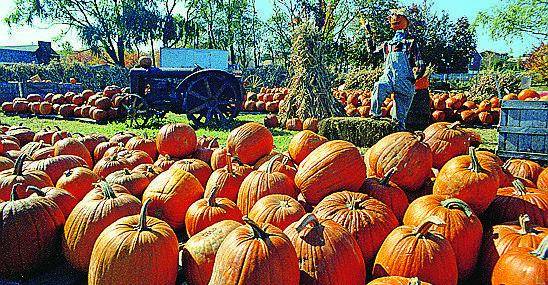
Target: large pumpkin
510, 202
256, 254
397, 280
57, 165
108, 165
333, 166
408, 153
177, 140
134, 182
165, 161
198, 253
502, 238
367, 219
303, 143
6, 163
446, 140
150, 171
78, 181
387, 192
26, 177
542, 180
64, 200
92, 141
466, 178
29, 231
218, 158
172, 192
135, 250
418, 252
328, 253
143, 143
196, 167
101, 207
73, 146
101, 148
527, 93
462, 228
208, 211
228, 180
523, 265
524, 168
282, 164
250, 142
278, 210
260, 183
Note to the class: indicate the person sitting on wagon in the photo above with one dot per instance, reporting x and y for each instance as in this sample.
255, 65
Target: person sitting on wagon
402, 55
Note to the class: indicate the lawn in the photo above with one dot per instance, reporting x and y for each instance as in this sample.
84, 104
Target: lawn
281, 136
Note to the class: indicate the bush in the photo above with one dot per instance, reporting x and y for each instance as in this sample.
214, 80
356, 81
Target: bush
363, 79
363, 132
91, 77
484, 86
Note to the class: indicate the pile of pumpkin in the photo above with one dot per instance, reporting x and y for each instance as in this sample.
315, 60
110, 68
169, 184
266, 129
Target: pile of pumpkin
417, 206
100, 106
267, 100
294, 124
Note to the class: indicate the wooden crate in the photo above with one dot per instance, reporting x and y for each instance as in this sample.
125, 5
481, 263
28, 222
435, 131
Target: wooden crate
523, 130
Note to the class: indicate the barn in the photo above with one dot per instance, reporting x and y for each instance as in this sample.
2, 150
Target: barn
41, 53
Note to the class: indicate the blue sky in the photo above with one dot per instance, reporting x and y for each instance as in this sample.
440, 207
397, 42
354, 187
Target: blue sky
469, 8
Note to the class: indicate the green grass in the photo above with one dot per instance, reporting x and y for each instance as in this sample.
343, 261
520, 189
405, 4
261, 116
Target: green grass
281, 137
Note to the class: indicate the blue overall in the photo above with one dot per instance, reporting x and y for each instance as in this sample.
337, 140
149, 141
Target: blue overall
397, 78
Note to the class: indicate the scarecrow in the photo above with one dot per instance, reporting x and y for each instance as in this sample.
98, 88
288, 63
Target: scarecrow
402, 67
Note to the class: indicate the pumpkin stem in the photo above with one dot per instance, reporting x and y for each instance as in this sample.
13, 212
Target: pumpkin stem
79, 134
454, 203
420, 136
57, 128
542, 250
424, 228
386, 178
229, 164
519, 187
355, 204
211, 199
474, 162
270, 165
308, 219
257, 231
525, 224
36, 190
13, 194
18, 168
126, 171
506, 164
107, 190
142, 225
454, 125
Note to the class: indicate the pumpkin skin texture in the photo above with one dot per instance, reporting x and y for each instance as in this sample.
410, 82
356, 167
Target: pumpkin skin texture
6, 163
101, 148
218, 158
462, 228
144, 144
259, 184
165, 162
542, 180
208, 211
417, 252
78, 181
176, 140
100, 208
283, 164
196, 167
303, 143
108, 165
198, 253
523, 266
249, 142
228, 179
446, 140
466, 178
134, 182
387, 192
510, 202
367, 219
57, 165
524, 168
333, 166
502, 238
64, 200
256, 254
150, 171
397, 280
30, 233
73, 146
135, 250
172, 192
327, 252
27, 177
278, 210
405, 151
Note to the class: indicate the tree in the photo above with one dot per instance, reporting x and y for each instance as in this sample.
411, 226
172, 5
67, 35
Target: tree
462, 44
537, 63
111, 26
516, 18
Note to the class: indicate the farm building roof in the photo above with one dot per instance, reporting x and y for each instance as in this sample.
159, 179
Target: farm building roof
31, 48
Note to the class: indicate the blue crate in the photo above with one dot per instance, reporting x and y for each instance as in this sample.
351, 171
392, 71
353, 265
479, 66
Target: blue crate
8, 91
523, 130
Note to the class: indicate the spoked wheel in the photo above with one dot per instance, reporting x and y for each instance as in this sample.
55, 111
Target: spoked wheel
211, 98
139, 113
253, 83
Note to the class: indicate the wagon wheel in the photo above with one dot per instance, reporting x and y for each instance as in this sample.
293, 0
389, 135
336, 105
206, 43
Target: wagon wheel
211, 97
253, 83
137, 110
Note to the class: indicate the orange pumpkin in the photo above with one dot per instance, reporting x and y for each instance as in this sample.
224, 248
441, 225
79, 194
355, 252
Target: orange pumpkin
527, 94
250, 142
63, 199
73, 146
78, 181
542, 180
397, 280
303, 143
524, 168
387, 192
311, 124
143, 143
278, 210
196, 167
228, 179
27, 177
446, 140
134, 182
295, 124
176, 140
150, 171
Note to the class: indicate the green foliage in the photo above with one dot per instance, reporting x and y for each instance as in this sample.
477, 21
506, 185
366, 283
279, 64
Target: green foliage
363, 132
95, 78
484, 85
516, 18
462, 45
537, 64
